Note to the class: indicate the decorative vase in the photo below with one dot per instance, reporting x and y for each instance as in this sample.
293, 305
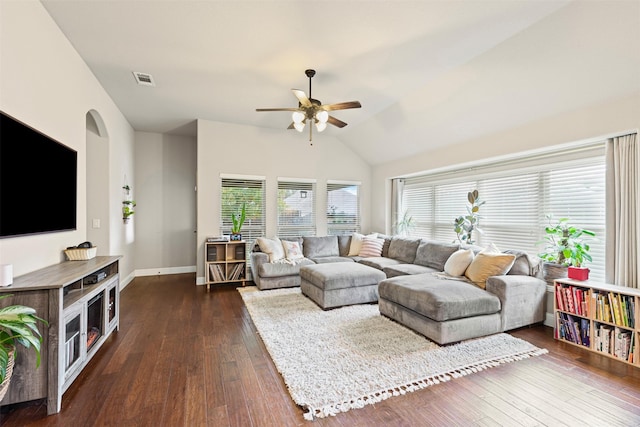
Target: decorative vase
236, 237
4, 386
578, 273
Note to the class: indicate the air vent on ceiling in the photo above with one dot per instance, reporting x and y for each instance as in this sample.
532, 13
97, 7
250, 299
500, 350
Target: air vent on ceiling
144, 79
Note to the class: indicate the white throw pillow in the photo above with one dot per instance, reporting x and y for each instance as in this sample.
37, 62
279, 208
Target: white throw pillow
458, 262
292, 250
356, 242
272, 247
371, 247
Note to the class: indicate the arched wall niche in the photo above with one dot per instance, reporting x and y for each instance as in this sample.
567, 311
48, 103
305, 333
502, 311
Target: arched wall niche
97, 179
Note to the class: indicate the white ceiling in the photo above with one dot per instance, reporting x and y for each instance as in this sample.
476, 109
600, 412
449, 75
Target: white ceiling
428, 73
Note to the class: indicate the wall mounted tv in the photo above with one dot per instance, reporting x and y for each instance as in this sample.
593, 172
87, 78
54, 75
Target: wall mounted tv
38, 180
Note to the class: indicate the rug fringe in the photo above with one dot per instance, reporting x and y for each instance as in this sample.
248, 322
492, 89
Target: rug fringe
334, 409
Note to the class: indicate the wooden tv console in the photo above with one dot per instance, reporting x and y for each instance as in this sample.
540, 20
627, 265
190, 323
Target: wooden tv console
81, 302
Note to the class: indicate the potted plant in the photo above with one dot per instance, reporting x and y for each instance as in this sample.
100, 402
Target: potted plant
237, 220
565, 246
406, 225
17, 326
127, 209
465, 224
127, 204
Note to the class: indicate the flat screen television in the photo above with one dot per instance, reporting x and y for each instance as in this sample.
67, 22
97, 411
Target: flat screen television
38, 181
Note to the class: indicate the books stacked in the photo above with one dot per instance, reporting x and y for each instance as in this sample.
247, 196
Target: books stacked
574, 329
615, 308
573, 299
615, 341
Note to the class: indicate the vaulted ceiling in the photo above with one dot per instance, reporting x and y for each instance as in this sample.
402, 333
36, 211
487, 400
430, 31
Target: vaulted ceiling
428, 73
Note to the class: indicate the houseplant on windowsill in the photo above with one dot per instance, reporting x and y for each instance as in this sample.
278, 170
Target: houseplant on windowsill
465, 224
17, 326
237, 219
566, 247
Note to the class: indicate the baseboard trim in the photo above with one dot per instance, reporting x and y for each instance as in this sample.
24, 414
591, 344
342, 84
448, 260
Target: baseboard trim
164, 271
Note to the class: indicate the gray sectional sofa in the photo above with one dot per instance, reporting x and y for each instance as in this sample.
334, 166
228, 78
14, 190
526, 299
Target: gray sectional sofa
415, 291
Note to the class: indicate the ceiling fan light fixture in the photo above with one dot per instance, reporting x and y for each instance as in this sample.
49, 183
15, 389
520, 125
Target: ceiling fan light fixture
322, 116
321, 126
299, 126
297, 117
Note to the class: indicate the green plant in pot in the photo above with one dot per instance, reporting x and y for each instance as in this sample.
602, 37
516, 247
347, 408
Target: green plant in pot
565, 245
405, 225
464, 225
237, 220
18, 325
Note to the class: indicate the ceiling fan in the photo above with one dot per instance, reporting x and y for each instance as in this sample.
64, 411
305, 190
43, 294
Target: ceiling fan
313, 111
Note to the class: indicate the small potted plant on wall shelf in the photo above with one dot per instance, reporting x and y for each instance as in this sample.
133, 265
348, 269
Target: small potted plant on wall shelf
127, 209
18, 325
127, 204
237, 219
565, 246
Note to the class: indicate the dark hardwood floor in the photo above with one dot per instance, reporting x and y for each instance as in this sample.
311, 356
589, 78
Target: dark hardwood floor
187, 357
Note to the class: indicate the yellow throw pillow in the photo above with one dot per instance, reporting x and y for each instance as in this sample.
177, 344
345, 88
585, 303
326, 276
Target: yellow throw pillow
488, 263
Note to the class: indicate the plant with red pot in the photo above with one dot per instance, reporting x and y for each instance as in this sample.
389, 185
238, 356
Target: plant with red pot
565, 245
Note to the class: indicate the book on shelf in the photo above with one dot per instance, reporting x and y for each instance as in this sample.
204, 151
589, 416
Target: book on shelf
216, 239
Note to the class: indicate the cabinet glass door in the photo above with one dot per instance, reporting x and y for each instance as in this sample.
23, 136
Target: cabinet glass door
72, 342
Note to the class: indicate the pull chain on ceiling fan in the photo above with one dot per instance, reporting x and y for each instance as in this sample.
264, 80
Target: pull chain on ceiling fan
313, 111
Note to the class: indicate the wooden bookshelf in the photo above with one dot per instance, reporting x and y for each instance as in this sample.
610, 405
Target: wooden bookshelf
225, 262
599, 317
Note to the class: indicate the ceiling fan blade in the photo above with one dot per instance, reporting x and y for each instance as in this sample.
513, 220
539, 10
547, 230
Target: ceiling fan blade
341, 106
302, 97
339, 123
291, 126
277, 109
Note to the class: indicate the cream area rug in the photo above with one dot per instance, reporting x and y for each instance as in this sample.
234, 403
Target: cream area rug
336, 360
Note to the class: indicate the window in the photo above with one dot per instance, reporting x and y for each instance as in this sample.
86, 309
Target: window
343, 208
518, 194
296, 208
235, 192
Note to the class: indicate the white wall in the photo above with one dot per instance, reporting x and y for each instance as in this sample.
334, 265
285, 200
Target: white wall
165, 218
45, 84
615, 116
272, 153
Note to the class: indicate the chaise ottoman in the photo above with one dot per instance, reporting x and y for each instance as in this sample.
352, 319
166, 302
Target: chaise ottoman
338, 284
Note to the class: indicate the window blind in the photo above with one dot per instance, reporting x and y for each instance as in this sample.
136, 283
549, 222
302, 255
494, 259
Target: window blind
235, 192
296, 208
517, 202
343, 208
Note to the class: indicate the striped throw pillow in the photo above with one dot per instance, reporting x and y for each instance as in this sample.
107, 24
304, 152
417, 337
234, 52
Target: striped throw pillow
371, 247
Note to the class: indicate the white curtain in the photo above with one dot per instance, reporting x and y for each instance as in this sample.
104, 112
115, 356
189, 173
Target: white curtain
623, 211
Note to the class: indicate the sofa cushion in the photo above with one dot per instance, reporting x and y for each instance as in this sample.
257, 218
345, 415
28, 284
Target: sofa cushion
488, 262
344, 242
329, 259
403, 249
272, 247
458, 262
438, 299
406, 269
315, 246
525, 264
371, 247
434, 254
387, 243
292, 250
340, 275
356, 242
379, 262
278, 269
